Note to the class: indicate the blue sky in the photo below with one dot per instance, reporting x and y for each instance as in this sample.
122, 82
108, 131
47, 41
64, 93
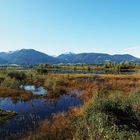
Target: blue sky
59, 26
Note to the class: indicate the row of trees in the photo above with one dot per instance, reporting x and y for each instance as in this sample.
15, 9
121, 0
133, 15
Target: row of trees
122, 65
43, 68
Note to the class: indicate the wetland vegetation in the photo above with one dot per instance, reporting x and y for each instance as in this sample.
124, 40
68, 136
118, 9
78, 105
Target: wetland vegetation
53, 105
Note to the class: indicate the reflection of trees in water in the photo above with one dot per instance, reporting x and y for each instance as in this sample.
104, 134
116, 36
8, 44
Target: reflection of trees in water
14, 101
32, 112
51, 102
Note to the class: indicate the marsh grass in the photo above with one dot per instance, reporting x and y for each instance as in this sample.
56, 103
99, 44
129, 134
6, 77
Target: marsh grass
105, 116
15, 94
109, 118
56, 86
111, 109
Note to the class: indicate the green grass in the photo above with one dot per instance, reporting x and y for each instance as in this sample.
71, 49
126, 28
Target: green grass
108, 118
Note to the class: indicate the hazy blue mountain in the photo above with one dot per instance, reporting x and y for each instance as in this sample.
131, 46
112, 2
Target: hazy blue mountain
2, 61
94, 58
33, 57
28, 57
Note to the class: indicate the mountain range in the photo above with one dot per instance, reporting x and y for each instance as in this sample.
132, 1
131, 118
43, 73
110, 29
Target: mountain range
27, 57
33, 57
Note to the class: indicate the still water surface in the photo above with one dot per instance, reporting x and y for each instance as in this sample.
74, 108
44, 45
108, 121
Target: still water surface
38, 90
30, 113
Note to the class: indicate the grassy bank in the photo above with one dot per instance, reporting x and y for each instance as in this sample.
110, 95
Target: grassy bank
15, 94
11, 79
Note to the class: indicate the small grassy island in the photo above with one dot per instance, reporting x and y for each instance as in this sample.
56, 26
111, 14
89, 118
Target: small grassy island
5, 115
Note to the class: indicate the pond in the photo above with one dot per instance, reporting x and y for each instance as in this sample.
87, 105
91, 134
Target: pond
30, 113
38, 90
71, 71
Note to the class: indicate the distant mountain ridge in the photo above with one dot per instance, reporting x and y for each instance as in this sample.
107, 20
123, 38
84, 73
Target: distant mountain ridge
27, 57
95, 58
33, 57
2, 61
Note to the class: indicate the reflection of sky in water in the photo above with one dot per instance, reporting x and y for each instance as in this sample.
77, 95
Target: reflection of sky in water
40, 90
71, 71
31, 112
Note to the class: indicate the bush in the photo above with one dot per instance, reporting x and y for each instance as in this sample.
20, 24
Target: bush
56, 86
20, 76
41, 69
108, 118
10, 83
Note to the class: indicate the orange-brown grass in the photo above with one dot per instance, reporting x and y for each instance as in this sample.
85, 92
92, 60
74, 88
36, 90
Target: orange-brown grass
15, 94
59, 128
54, 130
89, 84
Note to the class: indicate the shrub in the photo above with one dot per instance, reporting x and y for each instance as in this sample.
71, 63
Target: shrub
108, 118
134, 99
10, 83
20, 76
41, 69
56, 86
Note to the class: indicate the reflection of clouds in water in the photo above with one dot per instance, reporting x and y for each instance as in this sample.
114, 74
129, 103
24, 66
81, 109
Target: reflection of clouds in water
39, 90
